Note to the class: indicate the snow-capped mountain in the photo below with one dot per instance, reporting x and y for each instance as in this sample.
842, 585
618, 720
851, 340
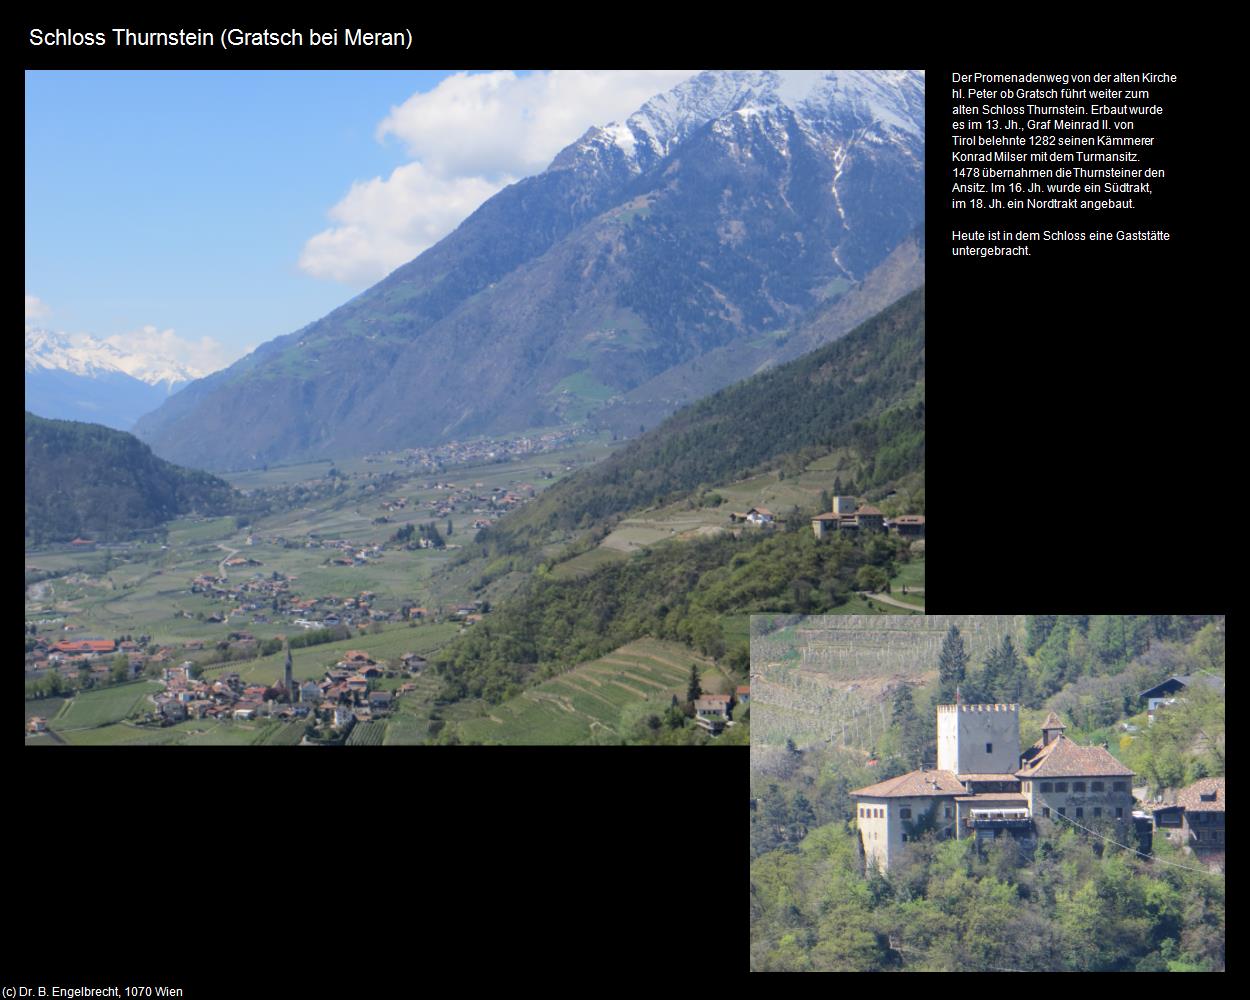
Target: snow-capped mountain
882, 105
687, 239
80, 354
78, 377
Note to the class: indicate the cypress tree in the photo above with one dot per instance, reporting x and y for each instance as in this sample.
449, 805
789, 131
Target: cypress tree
952, 663
693, 690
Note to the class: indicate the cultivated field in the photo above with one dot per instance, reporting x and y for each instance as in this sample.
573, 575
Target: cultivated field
105, 705
585, 705
827, 677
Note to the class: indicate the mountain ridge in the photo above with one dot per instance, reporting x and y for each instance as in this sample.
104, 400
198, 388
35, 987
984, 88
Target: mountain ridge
576, 286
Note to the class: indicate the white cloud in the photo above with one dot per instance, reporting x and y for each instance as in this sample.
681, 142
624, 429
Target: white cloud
470, 136
35, 309
383, 223
151, 349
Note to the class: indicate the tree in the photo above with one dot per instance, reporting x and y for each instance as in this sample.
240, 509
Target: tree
872, 578
952, 664
120, 668
693, 690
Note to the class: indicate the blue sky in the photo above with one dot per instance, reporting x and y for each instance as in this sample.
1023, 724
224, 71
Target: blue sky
240, 206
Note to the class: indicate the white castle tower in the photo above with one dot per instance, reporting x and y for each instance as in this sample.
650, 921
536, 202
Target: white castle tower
978, 739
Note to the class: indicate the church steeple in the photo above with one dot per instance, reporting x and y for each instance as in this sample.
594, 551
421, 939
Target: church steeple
288, 683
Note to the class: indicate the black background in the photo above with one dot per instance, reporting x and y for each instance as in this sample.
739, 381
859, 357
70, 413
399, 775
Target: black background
1079, 425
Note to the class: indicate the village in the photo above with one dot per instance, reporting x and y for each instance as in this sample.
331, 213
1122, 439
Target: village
434, 459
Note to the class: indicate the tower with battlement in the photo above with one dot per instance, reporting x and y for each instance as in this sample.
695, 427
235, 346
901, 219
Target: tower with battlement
978, 739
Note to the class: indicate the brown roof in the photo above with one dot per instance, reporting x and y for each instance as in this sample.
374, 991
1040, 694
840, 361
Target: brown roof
827, 517
1063, 759
1191, 797
988, 777
867, 510
915, 783
1052, 722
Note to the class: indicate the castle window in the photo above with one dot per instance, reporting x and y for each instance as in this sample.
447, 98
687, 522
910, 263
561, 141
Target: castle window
1097, 811
1095, 786
989, 748
1063, 812
904, 812
1078, 786
904, 838
1119, 814
948, 812
1119, 786
1047, 786
1046, 811
1080, 813
1061, 786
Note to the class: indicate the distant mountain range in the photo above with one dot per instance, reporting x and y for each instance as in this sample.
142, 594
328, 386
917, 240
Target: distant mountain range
654, 261
89, 480
78, 377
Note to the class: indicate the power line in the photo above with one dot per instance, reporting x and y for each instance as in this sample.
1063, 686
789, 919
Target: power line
1148, 857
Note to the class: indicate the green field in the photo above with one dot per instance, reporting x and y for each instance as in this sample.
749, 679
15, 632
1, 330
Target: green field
105, 705
585, 705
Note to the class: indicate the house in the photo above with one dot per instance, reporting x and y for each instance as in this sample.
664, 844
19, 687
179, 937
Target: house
712, 711
380, 701
37, 724
760, 516
1196, 820
84, 647
355, 658
986, 789
1166, 692
412, 662
907, 525
309, 693
174, 711
743, 694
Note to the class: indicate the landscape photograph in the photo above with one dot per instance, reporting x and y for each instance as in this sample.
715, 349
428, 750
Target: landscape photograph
987, 793
455, 408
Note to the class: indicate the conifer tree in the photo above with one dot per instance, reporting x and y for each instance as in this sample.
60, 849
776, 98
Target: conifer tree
693, 690
952, 663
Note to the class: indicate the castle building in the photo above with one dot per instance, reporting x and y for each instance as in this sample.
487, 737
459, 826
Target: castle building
848, 515
983, 787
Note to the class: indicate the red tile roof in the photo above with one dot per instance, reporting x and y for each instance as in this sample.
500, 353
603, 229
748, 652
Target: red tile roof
914, 784
1063, 759
84, 646
1191, 797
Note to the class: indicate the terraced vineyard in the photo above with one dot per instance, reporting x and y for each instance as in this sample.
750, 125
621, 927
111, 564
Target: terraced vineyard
585, 705
827, 677
367, 734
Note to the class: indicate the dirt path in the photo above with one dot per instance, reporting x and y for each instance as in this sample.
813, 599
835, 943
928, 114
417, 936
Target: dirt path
230, 554
887, 599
